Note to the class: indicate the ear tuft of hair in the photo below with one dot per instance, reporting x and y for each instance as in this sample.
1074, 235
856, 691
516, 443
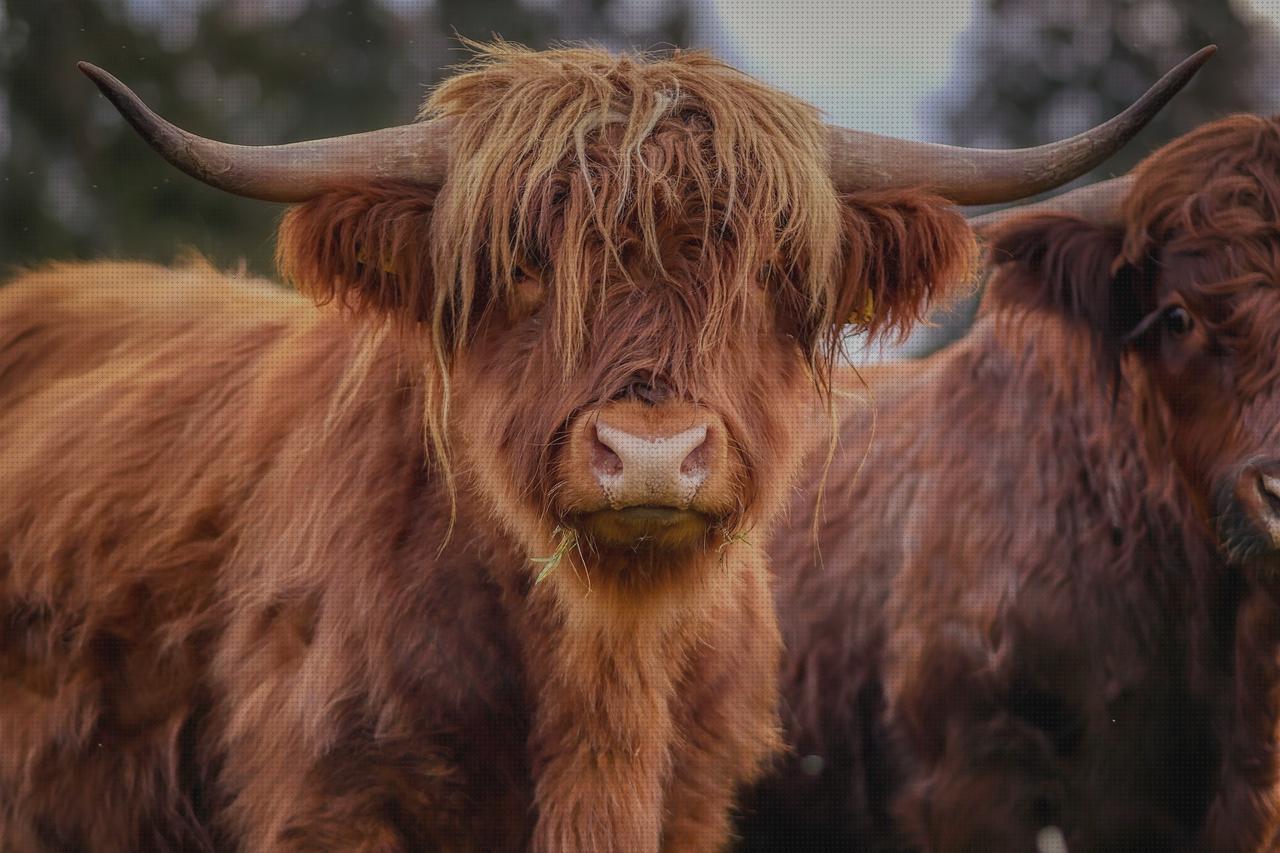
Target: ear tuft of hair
366, 249
902, 248
1070, 267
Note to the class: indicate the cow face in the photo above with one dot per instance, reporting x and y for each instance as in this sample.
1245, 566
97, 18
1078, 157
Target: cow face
618, 309
1187, 293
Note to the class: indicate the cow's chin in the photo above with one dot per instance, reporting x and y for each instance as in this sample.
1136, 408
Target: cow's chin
645, 529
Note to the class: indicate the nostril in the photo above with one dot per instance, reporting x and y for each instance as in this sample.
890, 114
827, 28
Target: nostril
698, 460
603, 458
1269, 488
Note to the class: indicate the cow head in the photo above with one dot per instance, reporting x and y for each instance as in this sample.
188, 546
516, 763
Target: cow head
1177, 269
619, 273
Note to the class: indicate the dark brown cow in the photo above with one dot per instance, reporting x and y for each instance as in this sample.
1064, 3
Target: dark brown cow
456, 561
1062, 624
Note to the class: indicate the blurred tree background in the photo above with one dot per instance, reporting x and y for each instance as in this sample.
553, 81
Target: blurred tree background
76, 183
1034, 71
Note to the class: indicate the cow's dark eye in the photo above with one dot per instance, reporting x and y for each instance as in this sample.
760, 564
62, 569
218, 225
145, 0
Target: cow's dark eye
527, 292
1177, 320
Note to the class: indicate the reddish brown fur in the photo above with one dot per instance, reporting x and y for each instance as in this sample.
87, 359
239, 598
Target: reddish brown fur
267, 578
1060, 616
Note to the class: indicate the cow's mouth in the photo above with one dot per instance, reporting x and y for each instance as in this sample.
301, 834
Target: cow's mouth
645, 527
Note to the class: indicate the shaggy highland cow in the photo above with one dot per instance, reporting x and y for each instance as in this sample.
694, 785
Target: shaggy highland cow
455, 560
1065, 623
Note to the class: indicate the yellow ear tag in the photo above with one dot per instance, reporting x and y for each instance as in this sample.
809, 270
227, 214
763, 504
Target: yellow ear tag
867, 313
388, 263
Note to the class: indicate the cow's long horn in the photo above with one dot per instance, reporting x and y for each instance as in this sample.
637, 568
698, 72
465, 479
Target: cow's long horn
862, 160
413, 152
1099, 203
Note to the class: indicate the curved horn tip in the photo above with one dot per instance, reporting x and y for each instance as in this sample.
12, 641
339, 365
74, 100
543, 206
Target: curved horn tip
1188, 67
97, 75
110, 86
1203, 53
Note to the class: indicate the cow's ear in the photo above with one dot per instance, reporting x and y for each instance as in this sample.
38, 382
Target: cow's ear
902, 247
1067, 266
366, 248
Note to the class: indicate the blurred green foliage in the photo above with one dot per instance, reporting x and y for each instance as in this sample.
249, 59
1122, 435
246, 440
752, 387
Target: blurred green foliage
76, 182
1033, 71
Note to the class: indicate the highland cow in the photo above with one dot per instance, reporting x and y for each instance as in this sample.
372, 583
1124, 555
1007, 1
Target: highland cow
455, 560
1063, 626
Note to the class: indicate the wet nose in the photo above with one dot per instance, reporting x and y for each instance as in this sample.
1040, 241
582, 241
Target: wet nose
646, 469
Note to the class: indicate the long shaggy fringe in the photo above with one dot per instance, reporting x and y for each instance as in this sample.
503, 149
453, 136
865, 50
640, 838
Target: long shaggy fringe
570, 153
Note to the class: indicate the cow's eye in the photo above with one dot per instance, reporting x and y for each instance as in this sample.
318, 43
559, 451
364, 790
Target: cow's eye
1177, 320
528, 292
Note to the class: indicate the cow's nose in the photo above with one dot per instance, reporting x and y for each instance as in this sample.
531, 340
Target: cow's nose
639, 470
